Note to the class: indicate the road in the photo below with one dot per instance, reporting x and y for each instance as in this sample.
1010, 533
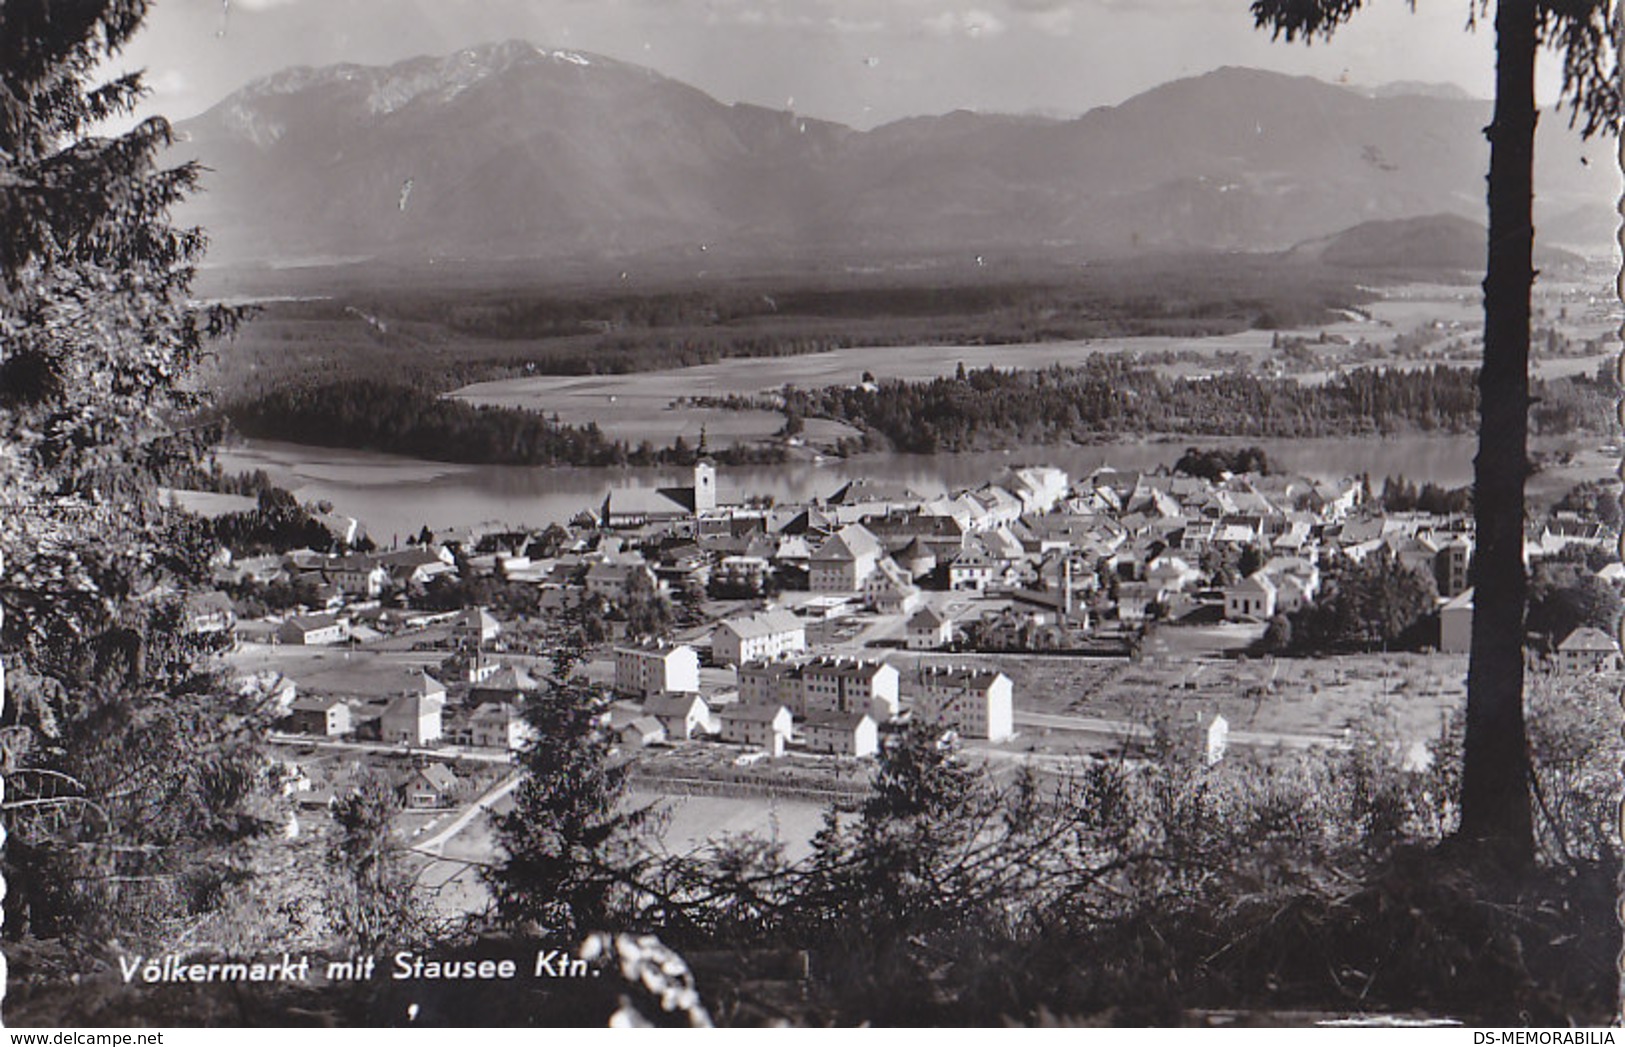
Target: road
1126, 729
444, 752
435, 846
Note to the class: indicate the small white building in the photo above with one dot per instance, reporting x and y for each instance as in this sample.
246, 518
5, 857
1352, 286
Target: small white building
766, 635
843, 734
1456, 624
682, 715
1588, 650
766, 727
1252, 597
498, 725
312, 630
647, 669
476, 625
413, 718
642, 732
928, 629
327, 716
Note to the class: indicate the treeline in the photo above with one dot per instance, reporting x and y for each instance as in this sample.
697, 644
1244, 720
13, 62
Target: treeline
990, 408
1213, 462
1400, 495
1254, 290
1378, 604
366, 414
451, 336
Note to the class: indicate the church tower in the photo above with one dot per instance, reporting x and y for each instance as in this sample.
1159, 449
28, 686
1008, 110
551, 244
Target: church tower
705, 486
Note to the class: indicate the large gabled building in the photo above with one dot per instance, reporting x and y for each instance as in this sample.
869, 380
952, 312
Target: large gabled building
844, 561
765, 635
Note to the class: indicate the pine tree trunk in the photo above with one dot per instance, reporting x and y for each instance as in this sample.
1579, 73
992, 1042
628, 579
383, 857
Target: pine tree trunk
1495, 806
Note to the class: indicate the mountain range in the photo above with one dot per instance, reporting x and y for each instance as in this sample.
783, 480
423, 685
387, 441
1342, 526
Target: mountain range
519, 151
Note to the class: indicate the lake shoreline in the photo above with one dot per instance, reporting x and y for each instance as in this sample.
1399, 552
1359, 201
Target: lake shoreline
395, 496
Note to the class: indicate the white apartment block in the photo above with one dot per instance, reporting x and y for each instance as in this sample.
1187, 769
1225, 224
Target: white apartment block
976, 702
767, 635
652, 668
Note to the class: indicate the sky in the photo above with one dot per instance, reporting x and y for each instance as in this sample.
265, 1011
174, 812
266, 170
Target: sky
860, 62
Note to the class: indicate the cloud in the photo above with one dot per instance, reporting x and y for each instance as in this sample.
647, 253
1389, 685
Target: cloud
974, 22
257, 5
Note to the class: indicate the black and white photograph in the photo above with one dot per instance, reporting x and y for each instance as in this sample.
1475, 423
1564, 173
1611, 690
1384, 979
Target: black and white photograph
810, 513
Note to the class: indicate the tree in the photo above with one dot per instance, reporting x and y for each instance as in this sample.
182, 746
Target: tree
1564, 597
566, 842
133, 773
1495, 791
372, 892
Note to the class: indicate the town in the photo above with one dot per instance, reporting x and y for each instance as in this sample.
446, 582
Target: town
765, 650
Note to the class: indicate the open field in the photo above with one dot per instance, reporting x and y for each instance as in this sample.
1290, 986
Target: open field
1408, 695
686, 823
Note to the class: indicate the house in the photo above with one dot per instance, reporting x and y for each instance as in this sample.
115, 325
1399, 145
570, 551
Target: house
1292, 594
1039, 487
312, 629
414, 568
976, 702
428, 788
844, 561
475, 626
766, 727
413, 717
616, 580
209, 612
1171, 573
843, 734
509, 683
1456, 624
682, 715
261, 569
498, 725
1251, 597
270, 690
929, 629
357, 574
890, 590
916, 559
741, 573
646, 669
842, 684
1588, 650
766, 635
325, 716
971, 571
642, 732
876, 497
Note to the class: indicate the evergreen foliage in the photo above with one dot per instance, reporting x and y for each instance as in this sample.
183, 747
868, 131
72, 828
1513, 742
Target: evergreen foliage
135, 778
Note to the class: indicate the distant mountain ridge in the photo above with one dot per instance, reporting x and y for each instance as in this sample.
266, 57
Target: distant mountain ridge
1426, 242
520, 151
